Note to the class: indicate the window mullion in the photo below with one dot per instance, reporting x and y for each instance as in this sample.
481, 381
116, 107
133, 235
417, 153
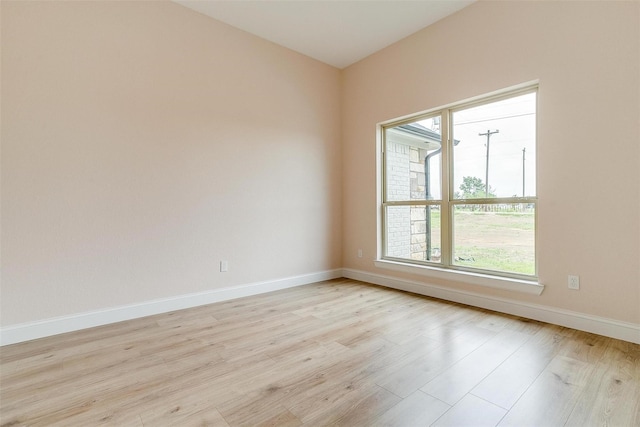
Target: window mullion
445, 216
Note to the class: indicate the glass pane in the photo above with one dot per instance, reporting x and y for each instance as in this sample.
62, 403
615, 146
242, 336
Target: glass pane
412, 161
494, 152
413, 232
495, 237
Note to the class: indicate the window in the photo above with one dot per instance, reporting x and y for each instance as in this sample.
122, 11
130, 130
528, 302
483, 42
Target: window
459, 187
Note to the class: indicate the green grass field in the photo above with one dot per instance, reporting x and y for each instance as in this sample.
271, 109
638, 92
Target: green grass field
495, 241
502, 241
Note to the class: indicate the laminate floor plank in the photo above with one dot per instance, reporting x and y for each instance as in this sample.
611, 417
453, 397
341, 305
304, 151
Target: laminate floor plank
359, 408
417, 409
471, 411
612, 394
253, 412
273, 303
552, 397
453, 384
287, 372
408, 378
510, 380
585, 347
339, 352
83, 391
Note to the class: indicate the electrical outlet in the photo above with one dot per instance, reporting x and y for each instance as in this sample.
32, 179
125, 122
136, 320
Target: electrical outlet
359, 253
224, 266
574, 282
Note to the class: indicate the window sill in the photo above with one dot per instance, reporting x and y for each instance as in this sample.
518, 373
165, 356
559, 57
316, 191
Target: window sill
496, 282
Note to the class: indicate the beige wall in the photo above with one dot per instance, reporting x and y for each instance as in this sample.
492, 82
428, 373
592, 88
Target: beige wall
586, 56
142, 143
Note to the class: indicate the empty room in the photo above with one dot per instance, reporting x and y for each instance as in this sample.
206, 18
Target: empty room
310, 213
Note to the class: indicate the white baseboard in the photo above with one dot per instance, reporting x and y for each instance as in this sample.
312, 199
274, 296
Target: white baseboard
583, 322
44, 328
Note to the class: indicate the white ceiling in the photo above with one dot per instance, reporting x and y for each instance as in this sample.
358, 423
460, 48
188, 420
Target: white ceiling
336, 32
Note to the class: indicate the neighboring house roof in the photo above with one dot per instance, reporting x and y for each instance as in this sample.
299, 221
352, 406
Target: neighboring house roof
414, 135
419, 130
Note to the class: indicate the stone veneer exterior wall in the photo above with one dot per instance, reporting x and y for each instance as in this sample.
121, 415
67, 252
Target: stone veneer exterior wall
406, 225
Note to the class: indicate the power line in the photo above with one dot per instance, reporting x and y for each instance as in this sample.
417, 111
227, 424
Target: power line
493, 119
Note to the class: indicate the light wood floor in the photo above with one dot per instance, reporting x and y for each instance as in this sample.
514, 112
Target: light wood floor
332, 353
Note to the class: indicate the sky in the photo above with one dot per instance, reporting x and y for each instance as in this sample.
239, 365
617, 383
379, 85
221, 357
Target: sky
514, 120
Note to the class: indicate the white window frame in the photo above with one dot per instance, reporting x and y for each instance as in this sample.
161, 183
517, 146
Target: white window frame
446, 269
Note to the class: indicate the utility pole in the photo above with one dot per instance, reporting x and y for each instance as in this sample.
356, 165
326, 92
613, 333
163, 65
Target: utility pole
486, 178
524, 150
